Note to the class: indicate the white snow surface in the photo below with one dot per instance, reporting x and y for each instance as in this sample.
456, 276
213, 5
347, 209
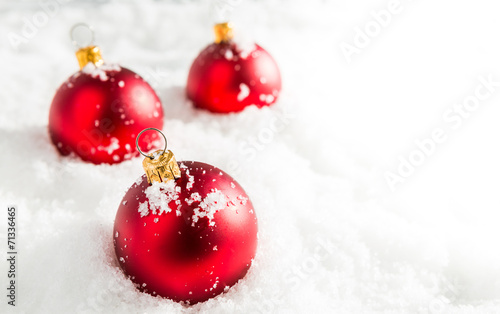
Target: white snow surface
333, 238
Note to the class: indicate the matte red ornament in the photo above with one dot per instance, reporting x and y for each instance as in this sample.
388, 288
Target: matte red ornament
188, 239
99, 111
228, 77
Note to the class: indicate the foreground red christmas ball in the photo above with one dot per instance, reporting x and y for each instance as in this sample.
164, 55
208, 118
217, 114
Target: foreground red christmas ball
98, 112
188, 239
227, 77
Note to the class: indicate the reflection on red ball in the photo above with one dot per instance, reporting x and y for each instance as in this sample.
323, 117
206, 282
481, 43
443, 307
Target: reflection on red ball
189, 239
226, 78
98, 112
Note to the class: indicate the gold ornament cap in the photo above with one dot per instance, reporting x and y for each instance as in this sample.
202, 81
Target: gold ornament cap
89, 54
82, 37
223, 32
160, 166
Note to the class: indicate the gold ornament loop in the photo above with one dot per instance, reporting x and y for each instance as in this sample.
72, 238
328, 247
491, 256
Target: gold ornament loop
83, 26
139, 135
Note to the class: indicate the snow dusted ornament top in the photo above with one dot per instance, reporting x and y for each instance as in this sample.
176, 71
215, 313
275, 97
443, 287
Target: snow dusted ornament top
189, 237
229, 75
98, 112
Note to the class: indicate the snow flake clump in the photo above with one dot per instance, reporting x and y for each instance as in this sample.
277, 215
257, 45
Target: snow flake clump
190, 183
228, 54
143, 209
244, 92
244, 45
159, 195
195, 197
100, 71
243, 200
114, 144
212, 203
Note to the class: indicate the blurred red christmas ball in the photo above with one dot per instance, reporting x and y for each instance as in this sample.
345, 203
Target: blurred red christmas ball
98, 112
188, 239
227, 76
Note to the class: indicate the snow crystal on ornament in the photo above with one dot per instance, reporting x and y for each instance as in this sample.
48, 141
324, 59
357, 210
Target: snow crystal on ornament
229, 54
100, 71
244, 92
243, 200
244, 45
267, 98
121, 83
190, 183
113, 145
195, 197
211, 204
138, 181
160, 194
143, 209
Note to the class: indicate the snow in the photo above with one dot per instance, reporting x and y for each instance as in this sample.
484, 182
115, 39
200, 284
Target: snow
244, 92
100, 71
114, 144
190, 183
194, 197
159, 195
333, 237
211, 204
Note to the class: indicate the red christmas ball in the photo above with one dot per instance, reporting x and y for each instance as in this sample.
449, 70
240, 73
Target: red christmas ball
98, 112
226, 77
189, 239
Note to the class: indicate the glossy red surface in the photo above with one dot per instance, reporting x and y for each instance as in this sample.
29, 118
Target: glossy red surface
224, 79
169, 255
98, 120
